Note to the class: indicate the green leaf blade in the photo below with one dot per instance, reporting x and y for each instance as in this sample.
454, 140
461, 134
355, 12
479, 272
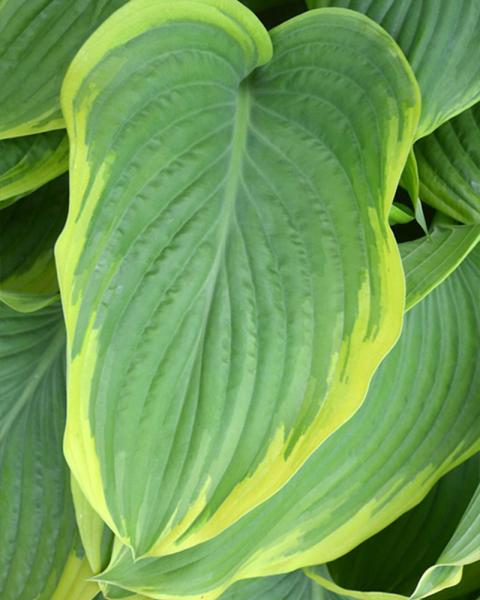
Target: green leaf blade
235, 235
440, 40
27, 163
449, 167
349, 489
40, 547
30, 228
38, 41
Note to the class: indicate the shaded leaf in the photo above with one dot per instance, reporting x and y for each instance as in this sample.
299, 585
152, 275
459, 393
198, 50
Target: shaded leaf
421, 553
449, 166
26, 163
29, 229
40, 550
290, 586
429, 260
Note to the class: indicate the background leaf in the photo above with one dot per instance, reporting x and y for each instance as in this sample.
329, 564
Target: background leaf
414, 557
440, 40
40, 548
429, 260
449, 165
26, 163
38, 39
30, 228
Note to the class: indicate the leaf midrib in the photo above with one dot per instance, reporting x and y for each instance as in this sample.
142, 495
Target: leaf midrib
233, 177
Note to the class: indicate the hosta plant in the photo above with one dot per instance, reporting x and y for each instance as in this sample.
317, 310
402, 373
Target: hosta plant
240, 338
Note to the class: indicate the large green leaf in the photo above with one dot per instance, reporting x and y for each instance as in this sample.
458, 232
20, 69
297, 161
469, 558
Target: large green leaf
421, 553
26, 163
409, 432
29, 229
449, 167
40, 554
38, 39
440, 40
229, 279
429, 260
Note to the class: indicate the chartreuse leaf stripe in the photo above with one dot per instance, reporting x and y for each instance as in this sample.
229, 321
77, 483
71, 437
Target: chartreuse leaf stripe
40, 550
449, 167
429, 260
26, 163
229, 279
39, 38
30, 228
397, 562
408, 433
440, 40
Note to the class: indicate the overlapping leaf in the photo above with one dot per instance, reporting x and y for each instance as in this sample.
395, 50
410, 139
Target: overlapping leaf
440, 40
291, 586
429, 260
423, 552
449, 166
29, 229
229, 278
26, 163
38, 39
408, 433
40, 550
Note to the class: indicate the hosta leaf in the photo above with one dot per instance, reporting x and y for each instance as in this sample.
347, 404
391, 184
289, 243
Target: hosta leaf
29, 229
409, 432
440, 40
467, 589
290, 586
228, 275
26, 163
421, 553
411, 183
429, 260
96, 538
449, 165
40, 552
409, 180
38, 39
400, 214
